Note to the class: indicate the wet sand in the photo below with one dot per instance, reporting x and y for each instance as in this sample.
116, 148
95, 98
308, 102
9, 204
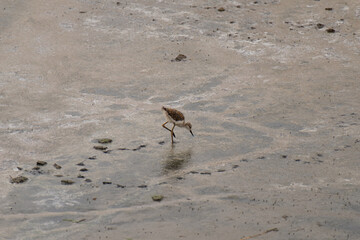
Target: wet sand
270, 87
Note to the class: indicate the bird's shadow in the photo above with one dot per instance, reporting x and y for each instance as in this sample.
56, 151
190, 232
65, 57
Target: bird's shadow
176, 159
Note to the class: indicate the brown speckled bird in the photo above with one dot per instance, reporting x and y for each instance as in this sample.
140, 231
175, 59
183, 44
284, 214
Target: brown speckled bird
177, 118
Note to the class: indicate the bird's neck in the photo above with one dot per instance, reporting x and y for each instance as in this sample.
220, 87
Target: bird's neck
182, 124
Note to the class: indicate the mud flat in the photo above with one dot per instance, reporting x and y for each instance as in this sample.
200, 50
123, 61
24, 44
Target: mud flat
270, 87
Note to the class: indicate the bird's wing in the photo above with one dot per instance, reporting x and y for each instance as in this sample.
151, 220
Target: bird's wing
175, 114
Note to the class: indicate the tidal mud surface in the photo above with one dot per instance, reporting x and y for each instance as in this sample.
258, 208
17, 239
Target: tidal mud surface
271, 89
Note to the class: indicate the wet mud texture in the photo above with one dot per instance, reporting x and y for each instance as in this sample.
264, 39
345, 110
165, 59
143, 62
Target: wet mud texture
271, 89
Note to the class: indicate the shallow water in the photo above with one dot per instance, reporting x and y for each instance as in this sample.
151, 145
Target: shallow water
271, 97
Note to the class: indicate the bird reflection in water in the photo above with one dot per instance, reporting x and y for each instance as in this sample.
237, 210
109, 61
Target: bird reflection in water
176, 159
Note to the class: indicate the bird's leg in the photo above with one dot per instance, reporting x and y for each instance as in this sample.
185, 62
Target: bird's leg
167, 128
172, 133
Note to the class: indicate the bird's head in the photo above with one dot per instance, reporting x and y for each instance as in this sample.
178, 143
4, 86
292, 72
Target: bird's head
188, 126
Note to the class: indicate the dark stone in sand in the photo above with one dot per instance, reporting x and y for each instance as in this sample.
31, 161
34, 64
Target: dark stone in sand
92, 158
194, 172
84, 170
58, 175
19, 179
88, 180
104, 140
235, 166
161, 142
41, 163
221, 170
37, 171
120, 186
320, 25
80, 164
67, 182
107, 151
157, 198
180, 57
57, 166
82, 12
80, 176
206, 173
139, 147
142, 186
284, 156
123, 149
107, 183
328, 9
330, 30
102, 148
221, 9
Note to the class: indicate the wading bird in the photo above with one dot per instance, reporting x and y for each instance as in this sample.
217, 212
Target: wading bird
177, 118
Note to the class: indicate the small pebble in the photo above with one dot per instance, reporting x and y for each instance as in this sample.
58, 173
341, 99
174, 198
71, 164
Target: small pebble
320, 25
67, 182
84, 170
105, 183
104, 140
102, 148
221, 9
180, 57
41, 163
57, 166
157, 198
19, 179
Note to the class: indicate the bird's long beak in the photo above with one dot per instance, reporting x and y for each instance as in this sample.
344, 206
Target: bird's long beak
191, 133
